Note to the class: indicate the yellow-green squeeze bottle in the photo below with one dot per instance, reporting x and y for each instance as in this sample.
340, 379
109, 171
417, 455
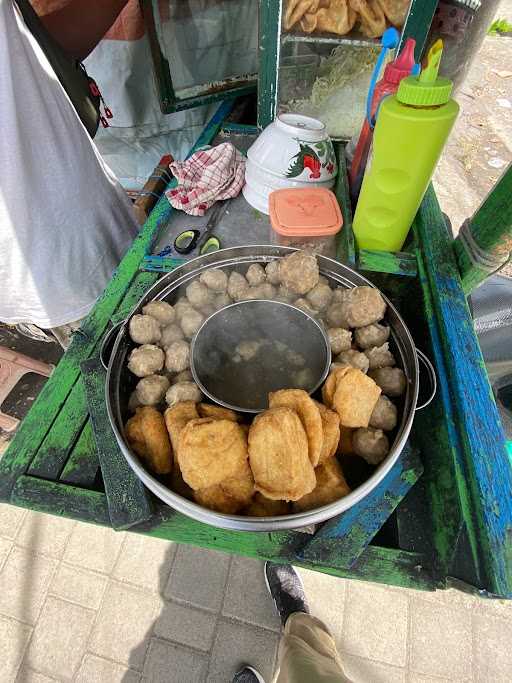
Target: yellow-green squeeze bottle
411, 130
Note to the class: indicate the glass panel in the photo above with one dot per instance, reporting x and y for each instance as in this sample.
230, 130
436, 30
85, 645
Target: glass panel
207, 41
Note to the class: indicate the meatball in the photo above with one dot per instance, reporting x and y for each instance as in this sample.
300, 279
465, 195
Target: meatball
150, 390
299, 272
305, 306
170, 334
380, 357
255, 274
184, 391
371, 335
185, 376
215, 279
392, 381
161, 311
354, 358
272, 272
340, 294
181, 307
144, 329
363, 306
384, 415
146, 360
264, 291
237, 286
191, 321
296, 358
284, 294
199, 294
207, 310
221, 301
303, 379
247, 350
336, 316
320, 296
177, 356
339, 339
370, 444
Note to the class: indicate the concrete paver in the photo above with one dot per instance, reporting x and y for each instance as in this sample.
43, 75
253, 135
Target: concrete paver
247, 597
26, 675
122, 628
364, 670
94, 547
78, 585
45, 534
145, 562
24, 581
11, 518
59, 639
14, 637
198, 577
186, 625
492, 638
440, 640
168, 662
375, 623
237, 644
96, 669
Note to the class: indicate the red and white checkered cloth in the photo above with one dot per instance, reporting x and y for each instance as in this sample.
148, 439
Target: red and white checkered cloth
208, 175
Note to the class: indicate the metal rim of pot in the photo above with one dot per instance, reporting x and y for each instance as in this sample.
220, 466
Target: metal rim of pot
232, 257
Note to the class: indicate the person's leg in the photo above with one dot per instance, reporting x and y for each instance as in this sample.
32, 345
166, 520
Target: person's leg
307, 652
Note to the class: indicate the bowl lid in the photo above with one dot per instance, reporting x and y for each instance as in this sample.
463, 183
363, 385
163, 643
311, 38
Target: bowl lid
306, 127
311, 212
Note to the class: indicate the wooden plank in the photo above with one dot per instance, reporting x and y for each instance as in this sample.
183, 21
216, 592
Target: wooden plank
346, 250
491, 231
139, 286
398, 263
56, 447
487, 467
128, 501
343, 539
83, 464
268, 70
381, 565
435, 431
60, 499
418, 24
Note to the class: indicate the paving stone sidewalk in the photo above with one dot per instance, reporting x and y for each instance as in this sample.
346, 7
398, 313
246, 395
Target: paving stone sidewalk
83, 603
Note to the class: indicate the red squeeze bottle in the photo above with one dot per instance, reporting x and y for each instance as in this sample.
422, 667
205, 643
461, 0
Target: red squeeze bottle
394, 72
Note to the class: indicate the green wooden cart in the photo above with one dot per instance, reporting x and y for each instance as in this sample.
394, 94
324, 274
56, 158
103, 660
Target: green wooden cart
442, 516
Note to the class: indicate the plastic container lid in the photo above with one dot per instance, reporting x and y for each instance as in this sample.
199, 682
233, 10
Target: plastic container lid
305, 212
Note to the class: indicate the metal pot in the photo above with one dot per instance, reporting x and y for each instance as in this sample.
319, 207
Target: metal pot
120, 382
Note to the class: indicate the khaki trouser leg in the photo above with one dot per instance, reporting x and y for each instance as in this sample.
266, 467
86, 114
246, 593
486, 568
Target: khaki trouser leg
307, 653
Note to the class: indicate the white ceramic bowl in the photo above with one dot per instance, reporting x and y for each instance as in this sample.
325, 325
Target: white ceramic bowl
293, 151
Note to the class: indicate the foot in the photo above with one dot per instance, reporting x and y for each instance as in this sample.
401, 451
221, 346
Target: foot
286, 588
248, 675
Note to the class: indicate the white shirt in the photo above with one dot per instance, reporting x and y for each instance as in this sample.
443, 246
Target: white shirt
65, 222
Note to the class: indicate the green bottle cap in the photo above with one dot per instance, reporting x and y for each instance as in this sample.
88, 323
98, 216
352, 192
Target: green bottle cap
428, 89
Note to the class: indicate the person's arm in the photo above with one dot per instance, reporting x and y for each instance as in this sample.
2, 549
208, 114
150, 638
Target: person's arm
80, 25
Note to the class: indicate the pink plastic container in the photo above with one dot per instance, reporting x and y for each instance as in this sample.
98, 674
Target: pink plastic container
305, 219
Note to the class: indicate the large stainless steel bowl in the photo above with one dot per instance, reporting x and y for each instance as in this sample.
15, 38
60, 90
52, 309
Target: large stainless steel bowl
120, 382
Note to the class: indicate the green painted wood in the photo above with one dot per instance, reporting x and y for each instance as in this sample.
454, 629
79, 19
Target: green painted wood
230, 127
60, 499
268, 73
382, 565
56, 447
491, 229
399, 263
139, 286
128, 501
418, 24
346, 250
83, 464
487, 468
342, 540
